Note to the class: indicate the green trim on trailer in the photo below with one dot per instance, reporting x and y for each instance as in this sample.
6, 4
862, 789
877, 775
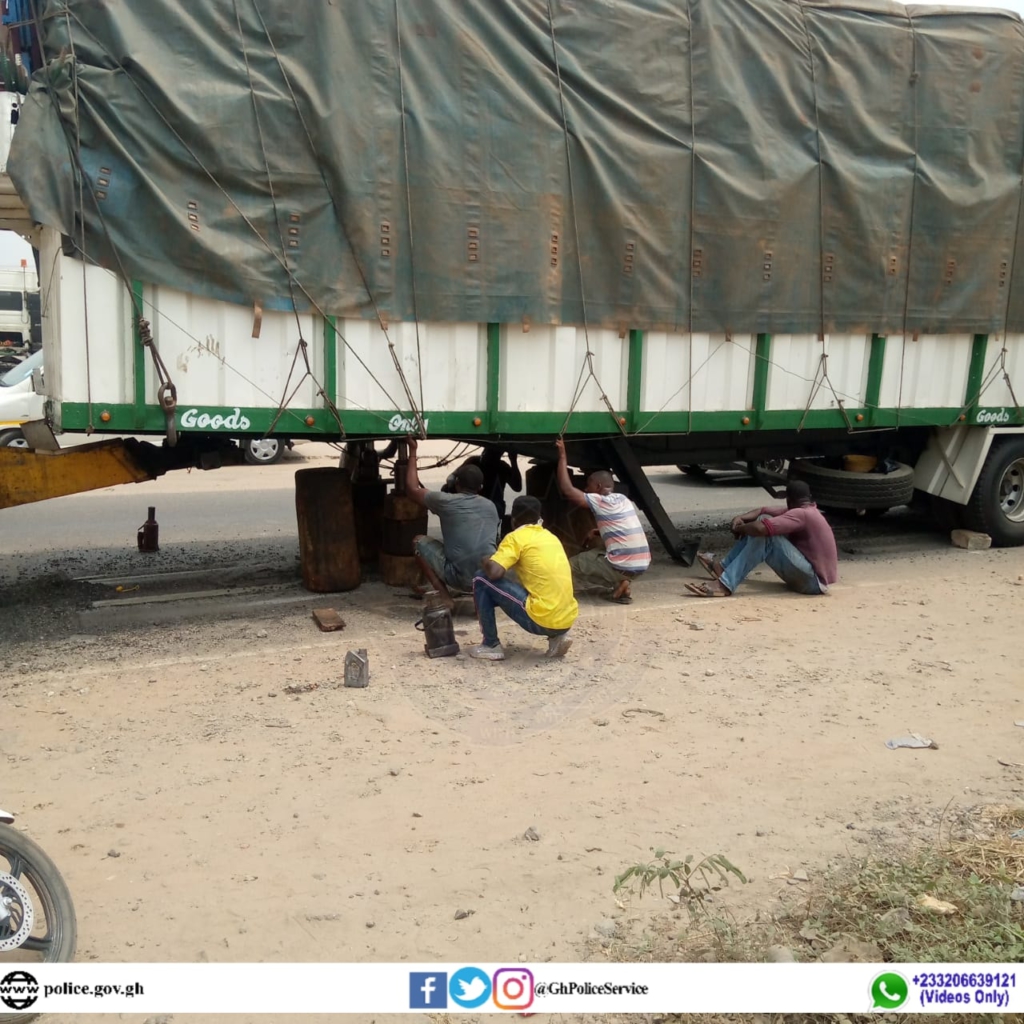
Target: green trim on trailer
138, 354
873, 387
976, 373
358, 422
493, 374
331, 359
762, 364
634, 379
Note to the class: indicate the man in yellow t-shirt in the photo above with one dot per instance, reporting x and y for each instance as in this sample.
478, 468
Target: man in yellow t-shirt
541, 601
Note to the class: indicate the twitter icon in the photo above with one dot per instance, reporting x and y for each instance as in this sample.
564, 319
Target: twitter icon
469, 987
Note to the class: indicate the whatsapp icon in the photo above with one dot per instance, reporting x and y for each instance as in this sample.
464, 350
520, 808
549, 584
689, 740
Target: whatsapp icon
888, 991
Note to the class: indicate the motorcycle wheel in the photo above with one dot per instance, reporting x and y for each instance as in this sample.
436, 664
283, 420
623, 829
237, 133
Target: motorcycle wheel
55, 930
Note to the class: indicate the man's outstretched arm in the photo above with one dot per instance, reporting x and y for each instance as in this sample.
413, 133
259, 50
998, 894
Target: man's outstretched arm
413, 488
570, 493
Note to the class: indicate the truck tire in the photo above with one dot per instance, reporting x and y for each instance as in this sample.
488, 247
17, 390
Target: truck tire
836, 488
12, 439
997, 502
264, 451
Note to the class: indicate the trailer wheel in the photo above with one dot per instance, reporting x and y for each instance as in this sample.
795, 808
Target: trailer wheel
997, 503
836, 488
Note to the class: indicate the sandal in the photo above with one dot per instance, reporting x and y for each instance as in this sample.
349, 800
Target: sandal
703, 590
707, 562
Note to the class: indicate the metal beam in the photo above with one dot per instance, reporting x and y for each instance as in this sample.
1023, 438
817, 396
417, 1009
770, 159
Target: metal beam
623, 461
27, 476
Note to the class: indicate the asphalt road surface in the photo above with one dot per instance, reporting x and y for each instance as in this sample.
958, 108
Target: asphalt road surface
245, 516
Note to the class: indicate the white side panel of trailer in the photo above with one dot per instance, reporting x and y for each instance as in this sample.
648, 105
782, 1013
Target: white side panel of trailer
797, 371
540, 369
716, 371
930, 373
214, 360
85, 358
665, 380
454, 358
723, 372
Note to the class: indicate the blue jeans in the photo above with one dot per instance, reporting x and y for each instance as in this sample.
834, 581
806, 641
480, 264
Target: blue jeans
779, 554
510, 596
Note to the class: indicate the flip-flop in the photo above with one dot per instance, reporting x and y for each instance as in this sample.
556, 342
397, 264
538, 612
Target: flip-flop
703, 590
626, 599
707, 562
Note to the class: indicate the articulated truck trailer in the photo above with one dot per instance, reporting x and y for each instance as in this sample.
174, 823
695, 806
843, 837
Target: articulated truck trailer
670, 231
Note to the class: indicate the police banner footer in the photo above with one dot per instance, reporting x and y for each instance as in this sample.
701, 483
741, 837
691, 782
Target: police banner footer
510, 988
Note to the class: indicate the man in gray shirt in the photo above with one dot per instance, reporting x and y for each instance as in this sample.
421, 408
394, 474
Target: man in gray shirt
469, 527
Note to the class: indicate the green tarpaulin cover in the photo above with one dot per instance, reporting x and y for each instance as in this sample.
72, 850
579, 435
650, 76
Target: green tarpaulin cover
694, 165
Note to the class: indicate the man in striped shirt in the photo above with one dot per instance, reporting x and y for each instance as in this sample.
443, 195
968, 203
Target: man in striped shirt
624, 554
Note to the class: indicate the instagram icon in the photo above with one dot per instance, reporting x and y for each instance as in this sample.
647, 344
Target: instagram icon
513, 988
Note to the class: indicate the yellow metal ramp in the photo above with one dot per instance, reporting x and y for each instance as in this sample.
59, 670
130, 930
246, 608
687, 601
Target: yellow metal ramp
28, 475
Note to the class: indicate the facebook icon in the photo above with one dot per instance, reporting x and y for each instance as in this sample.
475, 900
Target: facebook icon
428, 991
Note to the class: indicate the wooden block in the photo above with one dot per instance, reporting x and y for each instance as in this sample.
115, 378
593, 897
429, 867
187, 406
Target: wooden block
328, 619
970, 540
399, 570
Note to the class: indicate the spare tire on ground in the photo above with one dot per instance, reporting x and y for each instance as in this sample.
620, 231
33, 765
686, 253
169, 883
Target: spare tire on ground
836, 488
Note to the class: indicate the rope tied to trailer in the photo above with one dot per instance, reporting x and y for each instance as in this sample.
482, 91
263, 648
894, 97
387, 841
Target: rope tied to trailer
1009, 383
821, 377
301, 346
130, 77
167, 393
408, 210
382, 323
997, 369
588, 361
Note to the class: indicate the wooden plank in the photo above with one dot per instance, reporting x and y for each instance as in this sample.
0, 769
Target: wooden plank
328, 619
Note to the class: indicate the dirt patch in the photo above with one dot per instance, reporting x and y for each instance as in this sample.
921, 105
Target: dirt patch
955, 899
408, 801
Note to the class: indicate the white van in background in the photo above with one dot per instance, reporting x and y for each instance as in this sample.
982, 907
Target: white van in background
19, 401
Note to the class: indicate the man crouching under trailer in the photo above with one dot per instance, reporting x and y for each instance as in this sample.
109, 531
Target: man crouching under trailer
625, 553
540, 600
469, 528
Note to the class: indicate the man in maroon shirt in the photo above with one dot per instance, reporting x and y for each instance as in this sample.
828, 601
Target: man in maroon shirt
796, 541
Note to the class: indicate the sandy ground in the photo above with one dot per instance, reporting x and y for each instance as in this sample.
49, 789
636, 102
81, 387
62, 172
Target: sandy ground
344, 825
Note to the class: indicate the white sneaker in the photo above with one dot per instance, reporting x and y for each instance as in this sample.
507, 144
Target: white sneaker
558, 645
487, 653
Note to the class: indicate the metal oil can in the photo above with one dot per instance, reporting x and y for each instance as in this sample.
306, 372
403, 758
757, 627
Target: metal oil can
357, 668
437, 627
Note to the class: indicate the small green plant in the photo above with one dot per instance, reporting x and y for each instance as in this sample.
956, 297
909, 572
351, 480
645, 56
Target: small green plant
693, 880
